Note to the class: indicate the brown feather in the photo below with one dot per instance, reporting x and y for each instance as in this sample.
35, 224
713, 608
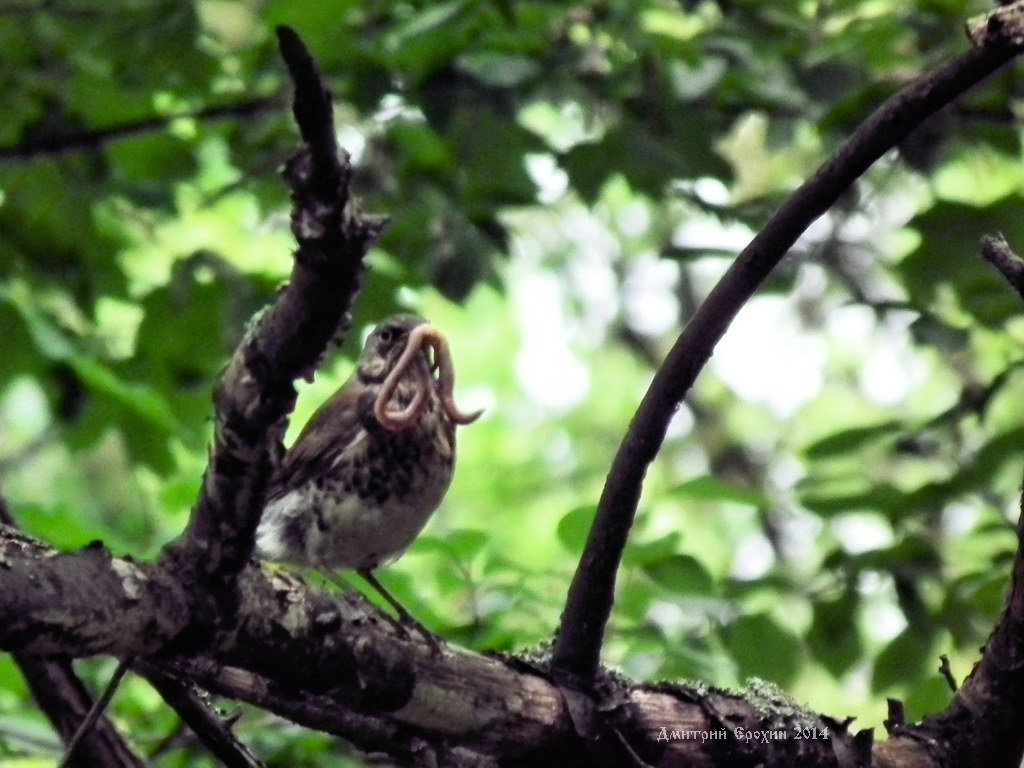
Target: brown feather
336, 424
328, 432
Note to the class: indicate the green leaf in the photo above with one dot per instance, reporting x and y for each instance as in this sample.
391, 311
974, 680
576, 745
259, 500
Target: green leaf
905, 661
913, 553
465, 543
827, 499
986, 593
948, 254
422, 150
641, 553
574, 527
710, 488
929, 697
834, 637
846, 441
762, 648
648, 161
499, 70
20, 354
63, 527
137, 398
681, 574
430, 38
929, 330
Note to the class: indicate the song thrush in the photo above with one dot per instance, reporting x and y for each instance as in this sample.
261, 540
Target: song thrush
364, 477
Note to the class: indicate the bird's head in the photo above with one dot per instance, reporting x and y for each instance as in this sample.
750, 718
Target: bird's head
399, 350
385, 345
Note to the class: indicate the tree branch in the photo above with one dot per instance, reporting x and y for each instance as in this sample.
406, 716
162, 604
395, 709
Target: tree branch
981, 726
997, 252
331, 664
43, 144
368, 733
285, 342
994, 691
96, 711
588, 606
65, 701
214, 733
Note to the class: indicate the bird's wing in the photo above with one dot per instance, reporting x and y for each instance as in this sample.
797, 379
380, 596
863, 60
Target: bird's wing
332, 430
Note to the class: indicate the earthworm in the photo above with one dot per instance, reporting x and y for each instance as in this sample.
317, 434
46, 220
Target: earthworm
397, 421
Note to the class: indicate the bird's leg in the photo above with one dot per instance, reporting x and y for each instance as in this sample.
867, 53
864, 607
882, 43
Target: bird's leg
347, 588
404, 617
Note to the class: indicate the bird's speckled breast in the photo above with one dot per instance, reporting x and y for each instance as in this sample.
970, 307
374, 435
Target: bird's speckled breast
381, 493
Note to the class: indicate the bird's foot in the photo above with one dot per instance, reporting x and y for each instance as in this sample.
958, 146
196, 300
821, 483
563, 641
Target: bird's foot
405, 620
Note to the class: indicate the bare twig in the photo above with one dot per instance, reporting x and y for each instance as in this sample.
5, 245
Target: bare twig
369, 733
997, 252
947, 672
588, 607
214, 733
95, 712
42, 144
66, 702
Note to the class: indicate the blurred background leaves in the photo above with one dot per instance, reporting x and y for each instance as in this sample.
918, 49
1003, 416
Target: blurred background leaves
833, 506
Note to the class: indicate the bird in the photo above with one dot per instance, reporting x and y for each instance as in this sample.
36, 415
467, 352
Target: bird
372, 464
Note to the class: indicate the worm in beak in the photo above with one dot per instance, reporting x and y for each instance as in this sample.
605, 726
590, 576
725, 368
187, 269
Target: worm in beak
429, 337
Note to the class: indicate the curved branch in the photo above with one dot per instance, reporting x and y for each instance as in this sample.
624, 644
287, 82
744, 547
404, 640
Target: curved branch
588, 606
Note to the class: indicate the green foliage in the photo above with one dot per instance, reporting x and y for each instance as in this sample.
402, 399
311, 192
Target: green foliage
832, 507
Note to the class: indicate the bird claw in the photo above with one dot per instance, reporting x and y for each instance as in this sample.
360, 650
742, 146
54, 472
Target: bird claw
420, 337
405, 620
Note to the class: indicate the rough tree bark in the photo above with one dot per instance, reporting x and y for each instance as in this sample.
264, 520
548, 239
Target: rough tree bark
205, 614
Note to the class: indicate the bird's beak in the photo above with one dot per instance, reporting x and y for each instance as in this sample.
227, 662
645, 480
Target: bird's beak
422, 338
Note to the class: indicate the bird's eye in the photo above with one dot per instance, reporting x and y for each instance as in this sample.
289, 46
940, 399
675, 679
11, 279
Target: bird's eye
387, 334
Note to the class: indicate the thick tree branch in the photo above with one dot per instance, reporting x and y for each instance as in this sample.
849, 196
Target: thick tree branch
65, 701
332, 664
285, 342
54, 603
588, 607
